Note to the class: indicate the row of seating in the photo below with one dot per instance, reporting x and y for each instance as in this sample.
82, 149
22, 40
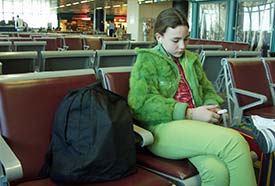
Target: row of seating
28, 103
21, 62
22, 45
72, 43
54, 43
227, 45
250, 84
95, 42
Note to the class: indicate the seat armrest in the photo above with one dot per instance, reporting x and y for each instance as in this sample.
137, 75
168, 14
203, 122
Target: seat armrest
261, 98
145, 136
10, 163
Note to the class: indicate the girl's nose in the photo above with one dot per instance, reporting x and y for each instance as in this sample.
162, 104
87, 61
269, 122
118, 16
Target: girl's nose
181, 44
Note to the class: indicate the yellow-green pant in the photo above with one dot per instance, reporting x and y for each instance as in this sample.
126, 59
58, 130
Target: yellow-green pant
221, 155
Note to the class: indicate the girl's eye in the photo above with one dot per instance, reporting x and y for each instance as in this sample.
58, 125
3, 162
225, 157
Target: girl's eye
175, 41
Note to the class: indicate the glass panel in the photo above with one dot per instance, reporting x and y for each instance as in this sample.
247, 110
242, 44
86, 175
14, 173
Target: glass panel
212, 20
254, 24
36, 13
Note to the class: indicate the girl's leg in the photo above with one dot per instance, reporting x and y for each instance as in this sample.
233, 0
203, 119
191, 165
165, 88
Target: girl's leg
212, 170
191, 139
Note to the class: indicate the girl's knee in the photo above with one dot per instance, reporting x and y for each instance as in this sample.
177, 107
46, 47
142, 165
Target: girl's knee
236, 136
213, 171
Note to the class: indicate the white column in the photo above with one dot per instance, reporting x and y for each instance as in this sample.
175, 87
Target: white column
133, 26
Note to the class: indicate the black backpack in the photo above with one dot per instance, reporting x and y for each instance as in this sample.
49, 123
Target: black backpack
92, 138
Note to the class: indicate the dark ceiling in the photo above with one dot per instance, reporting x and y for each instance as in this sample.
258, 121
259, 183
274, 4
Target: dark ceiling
112, 7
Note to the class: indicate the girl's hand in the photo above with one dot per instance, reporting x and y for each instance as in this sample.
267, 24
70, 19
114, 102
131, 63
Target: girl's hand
206, 113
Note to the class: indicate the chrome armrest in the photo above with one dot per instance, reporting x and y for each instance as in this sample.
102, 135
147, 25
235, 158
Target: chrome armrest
261, 98
3, 177
86, 47
65, 47
145, 136
272, 85
12, 167
60, 49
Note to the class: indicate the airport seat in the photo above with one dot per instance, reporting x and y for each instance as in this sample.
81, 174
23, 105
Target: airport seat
18, 62
28, 103
112, 45
37, 46
182, 172
211, 64
51, 43
247, 89
112, 58
29, 45
93, 43
269, 64
24, 35
66, 60
237, 45
60, 43
14, 39
74, 43
4, 38
5, 46
141, 44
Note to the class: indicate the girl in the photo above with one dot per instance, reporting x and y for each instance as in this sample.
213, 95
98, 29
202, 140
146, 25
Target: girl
171, 96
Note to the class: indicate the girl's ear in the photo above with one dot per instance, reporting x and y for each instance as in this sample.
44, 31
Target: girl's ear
158, 37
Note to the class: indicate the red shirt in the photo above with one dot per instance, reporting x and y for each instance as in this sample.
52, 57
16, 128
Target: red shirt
183, 93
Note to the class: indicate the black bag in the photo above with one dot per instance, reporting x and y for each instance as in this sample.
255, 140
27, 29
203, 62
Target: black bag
93, 138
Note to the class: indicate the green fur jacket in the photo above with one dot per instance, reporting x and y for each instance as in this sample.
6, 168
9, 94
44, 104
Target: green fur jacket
154, 81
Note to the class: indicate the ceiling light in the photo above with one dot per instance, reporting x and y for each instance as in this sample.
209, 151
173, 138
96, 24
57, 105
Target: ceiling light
85, 1
116, 6
69, 4
106, 7
61, 6
75, 3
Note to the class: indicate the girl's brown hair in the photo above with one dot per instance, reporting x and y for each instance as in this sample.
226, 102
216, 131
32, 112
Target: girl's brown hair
171, 17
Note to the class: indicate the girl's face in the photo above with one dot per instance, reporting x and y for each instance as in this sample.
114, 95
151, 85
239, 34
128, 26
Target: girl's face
174, 40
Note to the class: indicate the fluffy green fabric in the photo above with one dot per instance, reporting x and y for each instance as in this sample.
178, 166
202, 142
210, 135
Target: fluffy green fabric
154, 81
